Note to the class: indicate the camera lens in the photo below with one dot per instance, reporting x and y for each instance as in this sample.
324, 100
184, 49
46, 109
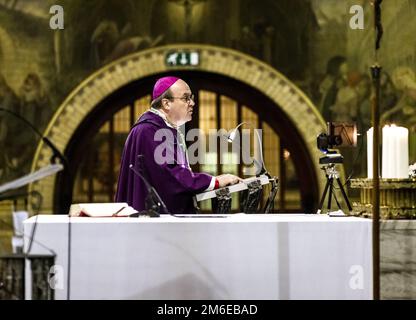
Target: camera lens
322, 142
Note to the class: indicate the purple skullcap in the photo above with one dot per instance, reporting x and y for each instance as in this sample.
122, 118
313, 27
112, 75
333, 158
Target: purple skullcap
162, 85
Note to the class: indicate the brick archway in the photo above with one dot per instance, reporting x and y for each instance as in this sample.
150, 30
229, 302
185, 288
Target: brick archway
293, 102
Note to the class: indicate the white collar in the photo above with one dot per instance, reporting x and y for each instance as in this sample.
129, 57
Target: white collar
163, 116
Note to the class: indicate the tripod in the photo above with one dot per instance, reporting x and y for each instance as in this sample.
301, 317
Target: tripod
331, 174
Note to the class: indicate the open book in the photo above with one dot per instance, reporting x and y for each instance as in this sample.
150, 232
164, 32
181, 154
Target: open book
118, 209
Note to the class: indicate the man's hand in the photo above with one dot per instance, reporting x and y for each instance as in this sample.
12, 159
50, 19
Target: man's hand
227, 179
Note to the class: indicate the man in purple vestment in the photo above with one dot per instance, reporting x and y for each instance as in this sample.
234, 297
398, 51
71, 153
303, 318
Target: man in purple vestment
169, 172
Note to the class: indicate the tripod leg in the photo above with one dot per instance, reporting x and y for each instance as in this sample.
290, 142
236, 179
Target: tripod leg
336, 200
344, 194
321, 202
331, 180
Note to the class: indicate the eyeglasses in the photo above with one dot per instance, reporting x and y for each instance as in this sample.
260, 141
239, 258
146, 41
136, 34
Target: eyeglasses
186, 99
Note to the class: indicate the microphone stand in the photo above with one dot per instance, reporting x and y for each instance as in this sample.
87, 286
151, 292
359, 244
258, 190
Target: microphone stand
56, 153
263, 171
153, 200
53, 168
41, 173
231, 138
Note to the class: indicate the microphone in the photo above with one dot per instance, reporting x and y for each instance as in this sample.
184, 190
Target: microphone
230, 138
53, 168
233, 133
56, 153
153, 200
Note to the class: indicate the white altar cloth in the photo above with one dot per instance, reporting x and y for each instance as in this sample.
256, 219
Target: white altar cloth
240, 256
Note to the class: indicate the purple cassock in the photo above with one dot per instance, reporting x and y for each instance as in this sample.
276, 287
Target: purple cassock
173, 180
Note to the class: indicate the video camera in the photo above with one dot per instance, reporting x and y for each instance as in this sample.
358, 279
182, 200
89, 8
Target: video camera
339, 134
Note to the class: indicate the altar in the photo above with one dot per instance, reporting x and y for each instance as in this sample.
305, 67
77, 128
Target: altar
237, 256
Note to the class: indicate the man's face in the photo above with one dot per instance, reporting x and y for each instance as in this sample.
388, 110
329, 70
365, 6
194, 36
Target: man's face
181, 106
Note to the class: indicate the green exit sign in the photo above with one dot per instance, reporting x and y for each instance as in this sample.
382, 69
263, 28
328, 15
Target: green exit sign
182, 58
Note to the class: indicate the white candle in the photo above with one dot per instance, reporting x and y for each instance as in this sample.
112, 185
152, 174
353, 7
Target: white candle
402, 153
370, 153
395, 155
386, 161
